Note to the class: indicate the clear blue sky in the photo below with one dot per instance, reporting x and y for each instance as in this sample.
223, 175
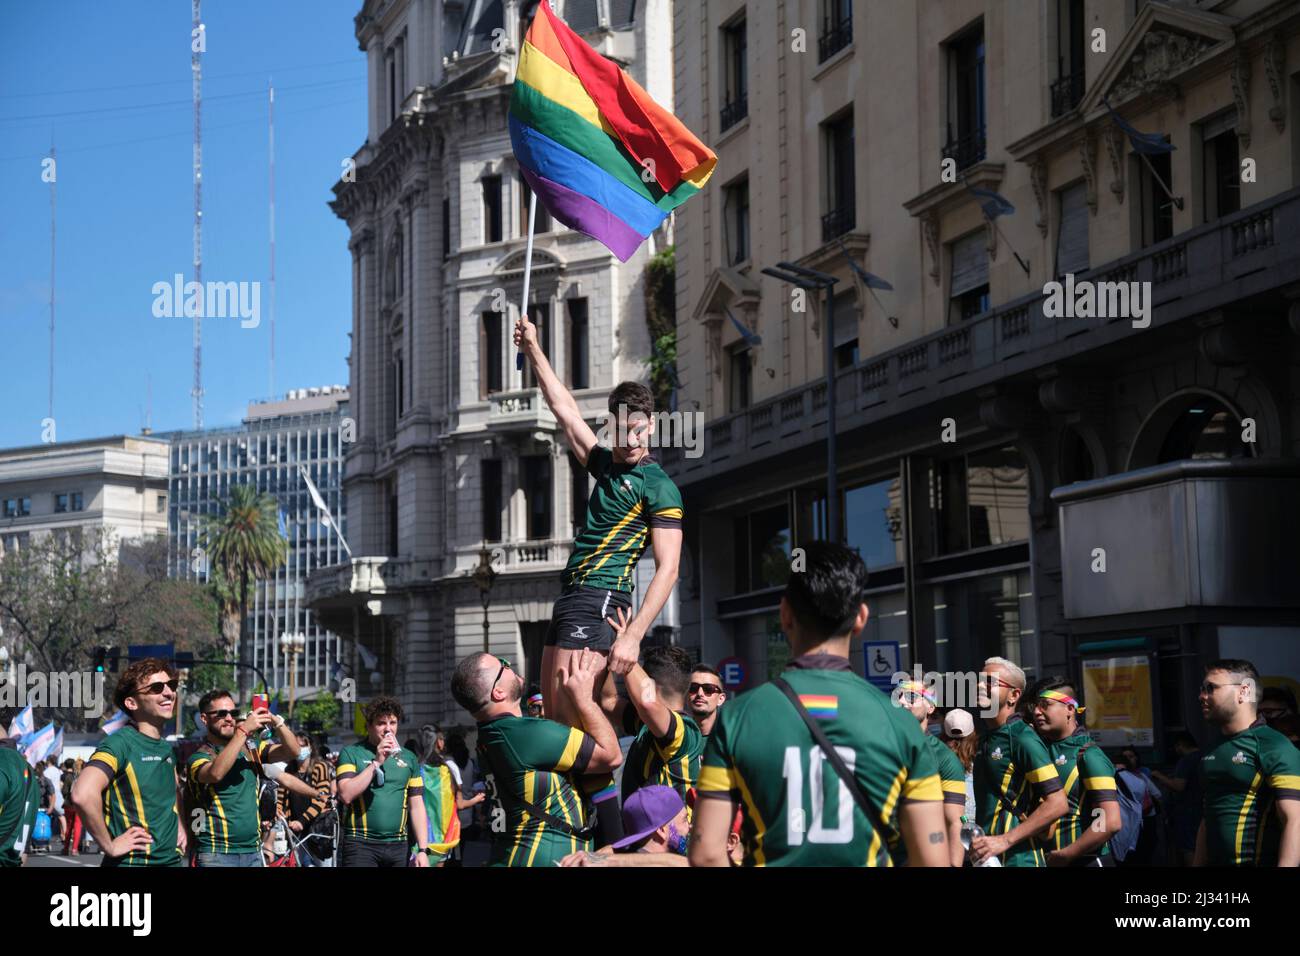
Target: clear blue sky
110, 82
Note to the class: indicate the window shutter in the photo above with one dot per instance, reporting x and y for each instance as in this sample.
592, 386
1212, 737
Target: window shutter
970, 263
1072, 239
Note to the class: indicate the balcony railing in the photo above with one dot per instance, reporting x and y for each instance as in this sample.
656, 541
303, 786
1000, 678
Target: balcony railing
835, 37
838, 221
735, 111
549, 554
967, 150
1066, 93
1237, 256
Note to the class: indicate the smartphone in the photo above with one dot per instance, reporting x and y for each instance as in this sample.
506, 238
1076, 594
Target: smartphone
261, 702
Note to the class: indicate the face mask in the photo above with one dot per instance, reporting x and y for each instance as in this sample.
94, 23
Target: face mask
676, 841
303, 754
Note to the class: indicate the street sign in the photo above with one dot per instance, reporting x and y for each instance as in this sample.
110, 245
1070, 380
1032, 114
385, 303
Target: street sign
880, 661
732, 670
138, 652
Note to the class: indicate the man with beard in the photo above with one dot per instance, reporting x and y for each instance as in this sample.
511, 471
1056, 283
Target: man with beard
1251, 778
223, 775
128, 793
535, 763
704, 696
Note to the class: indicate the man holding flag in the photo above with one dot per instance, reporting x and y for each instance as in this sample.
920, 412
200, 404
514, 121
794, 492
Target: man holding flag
607, 160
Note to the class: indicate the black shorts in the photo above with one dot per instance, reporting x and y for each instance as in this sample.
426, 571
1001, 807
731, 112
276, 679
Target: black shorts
357, 851
579, 617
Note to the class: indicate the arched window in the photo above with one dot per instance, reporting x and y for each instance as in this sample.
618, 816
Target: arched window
1076, 462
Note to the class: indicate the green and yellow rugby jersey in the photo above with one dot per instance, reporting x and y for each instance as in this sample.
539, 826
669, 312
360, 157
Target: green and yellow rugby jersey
626, 503
1089, 782
672, 760
534, 759
1013, 762
141, 792
952, 776
440, 808
230, 818
1244, 777
379, 813
797, 810
20, 798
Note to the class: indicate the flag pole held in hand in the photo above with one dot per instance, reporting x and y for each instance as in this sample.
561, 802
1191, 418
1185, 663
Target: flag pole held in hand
528, 269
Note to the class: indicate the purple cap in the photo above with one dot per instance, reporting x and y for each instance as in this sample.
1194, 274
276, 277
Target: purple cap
646, 811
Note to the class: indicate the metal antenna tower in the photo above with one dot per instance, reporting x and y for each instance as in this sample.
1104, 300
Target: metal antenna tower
270, 89
53, 181
197, 43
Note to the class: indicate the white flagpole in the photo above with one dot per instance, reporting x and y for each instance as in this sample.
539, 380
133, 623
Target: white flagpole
528, 269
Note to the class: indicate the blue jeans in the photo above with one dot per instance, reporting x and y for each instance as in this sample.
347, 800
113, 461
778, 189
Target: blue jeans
230, 859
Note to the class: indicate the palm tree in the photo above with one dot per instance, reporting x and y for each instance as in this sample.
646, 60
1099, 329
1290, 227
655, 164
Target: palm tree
227, 598
244, 545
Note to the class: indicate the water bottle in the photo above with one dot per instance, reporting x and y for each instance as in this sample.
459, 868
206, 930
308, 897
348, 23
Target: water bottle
279, 842
969, 831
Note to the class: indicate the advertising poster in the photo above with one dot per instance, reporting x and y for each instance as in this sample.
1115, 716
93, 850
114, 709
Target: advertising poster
1117, 695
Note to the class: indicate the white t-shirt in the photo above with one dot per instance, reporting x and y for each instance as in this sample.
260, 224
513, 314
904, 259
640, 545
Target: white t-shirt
55, 777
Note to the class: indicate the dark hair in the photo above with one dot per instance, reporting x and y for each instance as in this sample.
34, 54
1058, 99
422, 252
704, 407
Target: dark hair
467, 682
383, 706
428, 746
635, 396
458, 749
1234, 666
212, 695
964, 748
129, 682
1136, 762
669, 668
1282, 694
707, 669
826, 595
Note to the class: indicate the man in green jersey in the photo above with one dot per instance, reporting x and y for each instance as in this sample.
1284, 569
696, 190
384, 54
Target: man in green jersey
798, 811
20, 794
379, 785
531, 762
1083, 836
1012, 769
223, 778
633, 503
668, 743
128, 793
1251, 778
918, 699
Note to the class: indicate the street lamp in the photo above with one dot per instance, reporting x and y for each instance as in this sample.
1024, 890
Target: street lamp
292, 645
812, 280
484, 576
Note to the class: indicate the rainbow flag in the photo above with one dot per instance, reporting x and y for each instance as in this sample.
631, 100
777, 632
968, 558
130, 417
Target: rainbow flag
821, 706
600, 154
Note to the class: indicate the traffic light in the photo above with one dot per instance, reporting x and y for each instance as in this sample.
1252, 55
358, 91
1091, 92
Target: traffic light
100, 653
114, 658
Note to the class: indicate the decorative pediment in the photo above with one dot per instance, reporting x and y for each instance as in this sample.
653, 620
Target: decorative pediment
727, 288
1164, 43
512, 265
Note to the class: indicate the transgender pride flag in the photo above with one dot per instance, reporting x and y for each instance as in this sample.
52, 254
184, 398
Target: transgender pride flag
587, 138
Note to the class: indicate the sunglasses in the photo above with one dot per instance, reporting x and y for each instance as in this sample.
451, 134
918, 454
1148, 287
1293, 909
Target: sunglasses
504, 664
709, 689
157, 686
1209, 687
220, 714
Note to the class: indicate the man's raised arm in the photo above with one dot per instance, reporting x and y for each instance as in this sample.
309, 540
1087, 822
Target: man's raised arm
563, 405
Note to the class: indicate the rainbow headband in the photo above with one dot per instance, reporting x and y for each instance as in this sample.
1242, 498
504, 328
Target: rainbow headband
916, 687
1063, 698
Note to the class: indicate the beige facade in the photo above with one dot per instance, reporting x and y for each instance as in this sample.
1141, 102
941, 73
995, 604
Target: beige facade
118, 484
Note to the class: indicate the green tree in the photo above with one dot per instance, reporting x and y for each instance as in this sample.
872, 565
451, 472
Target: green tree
661, 322
243, 543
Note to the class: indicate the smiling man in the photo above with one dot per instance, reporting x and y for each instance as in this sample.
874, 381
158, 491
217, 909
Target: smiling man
128, 793
223, 776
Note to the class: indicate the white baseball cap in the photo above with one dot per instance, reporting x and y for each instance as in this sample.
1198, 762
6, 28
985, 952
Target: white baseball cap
958, 723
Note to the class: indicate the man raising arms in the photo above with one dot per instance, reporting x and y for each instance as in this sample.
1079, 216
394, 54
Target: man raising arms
634, 503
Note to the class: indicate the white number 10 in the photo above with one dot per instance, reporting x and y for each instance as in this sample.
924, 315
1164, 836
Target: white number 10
794, 815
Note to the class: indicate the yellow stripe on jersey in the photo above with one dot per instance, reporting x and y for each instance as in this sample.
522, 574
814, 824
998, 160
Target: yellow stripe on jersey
634, 538
631, 565
953, 786
669, 513
1283, 781
668, 751
927, 788
623, 522
716, 780
1244, 815
1099, 783
1069, 782
887, 810
103, 756
415, 782
346, 768
221, 815
135, 794
571, 749
751, 813
1046, 772
530, 781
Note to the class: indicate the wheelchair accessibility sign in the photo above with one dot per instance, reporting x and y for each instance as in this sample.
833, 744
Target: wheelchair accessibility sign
880, 659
